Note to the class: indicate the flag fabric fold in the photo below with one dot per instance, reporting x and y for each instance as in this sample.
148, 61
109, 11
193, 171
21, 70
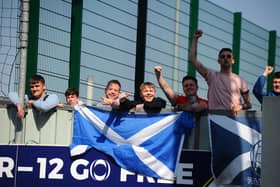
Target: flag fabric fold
141, 143
236, 149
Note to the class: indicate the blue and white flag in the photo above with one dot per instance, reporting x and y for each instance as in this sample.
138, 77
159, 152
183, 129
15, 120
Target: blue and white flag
236, 150
141, 143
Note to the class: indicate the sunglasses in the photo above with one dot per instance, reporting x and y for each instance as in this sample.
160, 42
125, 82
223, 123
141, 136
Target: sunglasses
225, 56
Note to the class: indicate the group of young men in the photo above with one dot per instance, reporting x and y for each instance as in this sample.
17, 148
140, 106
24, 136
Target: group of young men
226, 90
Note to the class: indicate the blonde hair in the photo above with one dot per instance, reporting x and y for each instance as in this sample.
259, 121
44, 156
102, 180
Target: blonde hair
147, 84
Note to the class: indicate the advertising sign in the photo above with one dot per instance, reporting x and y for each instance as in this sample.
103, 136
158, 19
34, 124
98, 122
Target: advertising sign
52, 166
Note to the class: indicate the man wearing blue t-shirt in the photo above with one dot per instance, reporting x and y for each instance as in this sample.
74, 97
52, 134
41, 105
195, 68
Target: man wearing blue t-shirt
260, 83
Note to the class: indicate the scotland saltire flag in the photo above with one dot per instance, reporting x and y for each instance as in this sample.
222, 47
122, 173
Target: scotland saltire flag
141, 143
236, 150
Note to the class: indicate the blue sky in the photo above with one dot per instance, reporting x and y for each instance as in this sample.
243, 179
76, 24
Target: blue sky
264, 13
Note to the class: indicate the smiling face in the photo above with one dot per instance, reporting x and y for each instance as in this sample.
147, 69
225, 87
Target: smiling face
112, 91
276, 85
37, 86
190, 87
37, 89
148, 93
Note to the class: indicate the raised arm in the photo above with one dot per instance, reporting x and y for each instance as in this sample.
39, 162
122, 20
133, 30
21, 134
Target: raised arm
193, 54
258, 89
268, 70
170, 94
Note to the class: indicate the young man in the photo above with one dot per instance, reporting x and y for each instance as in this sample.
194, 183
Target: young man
150, 103
225, 89
189, 102
72, 96
259, 85
112, 95
39, 99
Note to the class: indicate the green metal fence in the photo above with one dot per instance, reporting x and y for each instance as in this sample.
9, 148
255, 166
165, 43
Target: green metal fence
72, 41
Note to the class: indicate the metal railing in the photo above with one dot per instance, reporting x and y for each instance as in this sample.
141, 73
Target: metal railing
55, 128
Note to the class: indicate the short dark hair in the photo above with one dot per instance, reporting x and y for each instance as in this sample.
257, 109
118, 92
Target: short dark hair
225, 49
113, 81
276, 75
36, 78
71, 91
188, 77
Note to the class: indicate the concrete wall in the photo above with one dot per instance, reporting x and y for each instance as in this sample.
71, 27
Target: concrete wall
53, 129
